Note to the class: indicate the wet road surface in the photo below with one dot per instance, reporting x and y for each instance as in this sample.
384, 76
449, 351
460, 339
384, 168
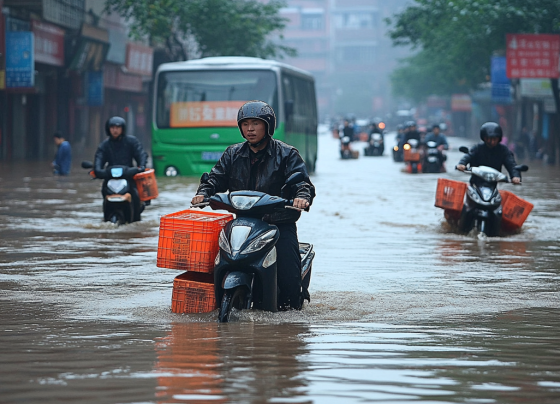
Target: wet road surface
402, 310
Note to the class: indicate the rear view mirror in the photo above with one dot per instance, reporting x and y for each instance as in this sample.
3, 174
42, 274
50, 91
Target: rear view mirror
295, 178
522, 168
87, 164
205, 177
464, 149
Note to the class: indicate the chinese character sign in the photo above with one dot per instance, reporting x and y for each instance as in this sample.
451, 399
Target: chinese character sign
20, 65
532, 56
139, 59
205, 113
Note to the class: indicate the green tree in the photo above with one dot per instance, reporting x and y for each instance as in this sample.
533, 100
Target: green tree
206, 27
456, 39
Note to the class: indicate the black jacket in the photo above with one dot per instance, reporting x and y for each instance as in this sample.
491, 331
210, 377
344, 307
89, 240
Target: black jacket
232, 173
119, 152
482, 155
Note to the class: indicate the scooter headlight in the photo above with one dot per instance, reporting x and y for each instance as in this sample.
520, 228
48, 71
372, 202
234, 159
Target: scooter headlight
244, 202
224, 243
473, 195
116, 185
260, 242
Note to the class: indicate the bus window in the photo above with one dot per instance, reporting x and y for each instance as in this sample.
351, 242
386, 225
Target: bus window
210, 97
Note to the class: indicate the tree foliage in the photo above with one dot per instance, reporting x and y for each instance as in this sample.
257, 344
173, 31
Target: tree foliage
456, 39
206, 27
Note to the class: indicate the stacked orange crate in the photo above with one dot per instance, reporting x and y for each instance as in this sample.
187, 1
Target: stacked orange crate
188, 240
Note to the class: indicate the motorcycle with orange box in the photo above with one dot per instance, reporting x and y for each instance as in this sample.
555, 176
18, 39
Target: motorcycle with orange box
231, 263
412, 155
480, 205
118, 207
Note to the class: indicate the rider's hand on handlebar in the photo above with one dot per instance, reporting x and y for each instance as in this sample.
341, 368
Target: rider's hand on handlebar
197, 199
461, 167
516, 180
300, 203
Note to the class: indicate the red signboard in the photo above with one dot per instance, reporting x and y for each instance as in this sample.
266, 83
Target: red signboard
532, 56
114, 78
49, 43
139, 59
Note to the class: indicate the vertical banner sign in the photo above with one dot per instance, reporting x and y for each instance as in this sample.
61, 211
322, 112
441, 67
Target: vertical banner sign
95, 88
532, 56
20, 66
501, 90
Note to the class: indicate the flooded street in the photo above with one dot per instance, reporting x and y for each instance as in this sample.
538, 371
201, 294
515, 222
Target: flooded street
402, 309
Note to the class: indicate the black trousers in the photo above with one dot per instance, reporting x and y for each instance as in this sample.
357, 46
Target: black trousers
289, 267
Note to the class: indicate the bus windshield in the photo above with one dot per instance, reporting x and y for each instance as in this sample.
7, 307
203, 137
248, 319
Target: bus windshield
210, 97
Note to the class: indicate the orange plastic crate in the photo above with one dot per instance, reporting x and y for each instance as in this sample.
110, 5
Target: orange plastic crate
193, 292
514, 210
188, 240
450, 194
410, 155
147, 185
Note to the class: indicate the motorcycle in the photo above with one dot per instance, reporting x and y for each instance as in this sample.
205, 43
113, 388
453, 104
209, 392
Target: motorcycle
412, 156
483, 203
346, 151
433, 158
245, 268
375, 145
118, 186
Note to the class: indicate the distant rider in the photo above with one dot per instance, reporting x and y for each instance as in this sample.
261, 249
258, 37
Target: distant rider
348, 130
263, 164
436, 136
491, 153
120, 149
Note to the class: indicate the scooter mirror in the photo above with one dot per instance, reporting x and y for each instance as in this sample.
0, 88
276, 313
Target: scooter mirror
464, 149
522, 167
294, 178
205, 177
87, 164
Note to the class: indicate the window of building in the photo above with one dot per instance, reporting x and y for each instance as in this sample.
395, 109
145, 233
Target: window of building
356, 20
312, 19
356, 54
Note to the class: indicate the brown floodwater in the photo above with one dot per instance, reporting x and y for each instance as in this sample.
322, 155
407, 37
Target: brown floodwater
402, 309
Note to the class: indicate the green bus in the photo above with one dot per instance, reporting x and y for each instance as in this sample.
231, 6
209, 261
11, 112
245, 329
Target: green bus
196, 103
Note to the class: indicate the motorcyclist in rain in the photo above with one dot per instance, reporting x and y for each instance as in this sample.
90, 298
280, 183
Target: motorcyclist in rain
262, 163
436, 136
120, 149
348, 130
412, 132
491, 153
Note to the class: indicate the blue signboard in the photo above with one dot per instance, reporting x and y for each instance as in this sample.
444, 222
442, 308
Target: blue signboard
501, 86
95, 88
20, 64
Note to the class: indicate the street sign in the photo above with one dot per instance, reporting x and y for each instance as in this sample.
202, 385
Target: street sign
501, 91
532, 56
20, 65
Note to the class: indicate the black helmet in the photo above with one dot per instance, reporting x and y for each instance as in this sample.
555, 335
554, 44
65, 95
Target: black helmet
489, 130
257, 110
115, 121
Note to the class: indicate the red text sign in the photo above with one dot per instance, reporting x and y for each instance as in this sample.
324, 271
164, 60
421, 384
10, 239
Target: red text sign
532, 56
49, 43
139, 59
205, 113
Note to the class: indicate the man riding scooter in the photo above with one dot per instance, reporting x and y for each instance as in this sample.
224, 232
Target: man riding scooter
435, 139
491, 153
264, 164
120, 149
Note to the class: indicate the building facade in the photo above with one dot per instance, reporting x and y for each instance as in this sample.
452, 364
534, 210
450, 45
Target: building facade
66, 66
344, 43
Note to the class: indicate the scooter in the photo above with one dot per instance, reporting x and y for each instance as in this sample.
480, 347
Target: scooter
433, 158
245, 268
375, 145
398, 155
412, 156
483, 203
118, 186
346, 151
